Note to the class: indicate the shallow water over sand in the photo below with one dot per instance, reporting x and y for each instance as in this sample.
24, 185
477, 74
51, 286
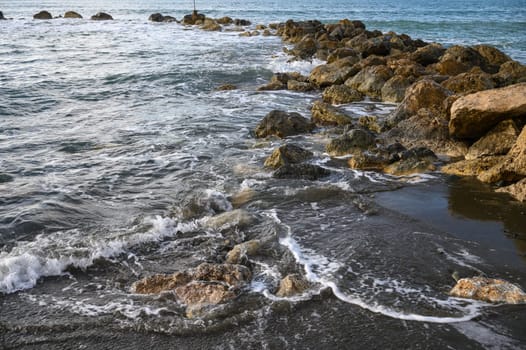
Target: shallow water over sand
121, 151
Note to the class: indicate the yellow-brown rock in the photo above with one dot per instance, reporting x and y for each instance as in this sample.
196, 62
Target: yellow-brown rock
517, 190
248, 248
488, 289
472, 167
292, 285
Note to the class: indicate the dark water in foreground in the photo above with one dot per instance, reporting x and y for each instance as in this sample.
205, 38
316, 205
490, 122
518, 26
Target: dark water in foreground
120, 151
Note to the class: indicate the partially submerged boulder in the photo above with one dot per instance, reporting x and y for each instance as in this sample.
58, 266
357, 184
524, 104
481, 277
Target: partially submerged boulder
292, 285
1, 16
101, 16
194, 18
334, 73
488, 289
211, 25
370, 80
287, 154
301, 171
72, 14
283, 124
351, 142
473, 115
239, 251
43, 15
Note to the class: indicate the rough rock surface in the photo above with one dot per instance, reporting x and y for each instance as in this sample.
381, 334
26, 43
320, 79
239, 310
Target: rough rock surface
291, 285
341, 94
472, 167
498, 141
283, 124
488, 289
517, 190
473, 115
241, 250
332, 74
414, 160
287, 154
1, 16
470, 82
370, 80
351, 142
325, 114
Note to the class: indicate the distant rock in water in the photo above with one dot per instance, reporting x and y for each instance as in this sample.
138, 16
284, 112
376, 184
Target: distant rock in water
2, 15
43, 15
72, 14
101, 16
157, 17
241, 22
488, 289
5, 178
194, 18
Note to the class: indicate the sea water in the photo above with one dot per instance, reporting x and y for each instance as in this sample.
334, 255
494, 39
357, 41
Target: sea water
117, 150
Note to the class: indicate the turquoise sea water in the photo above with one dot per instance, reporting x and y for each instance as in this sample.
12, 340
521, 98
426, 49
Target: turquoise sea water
116, 152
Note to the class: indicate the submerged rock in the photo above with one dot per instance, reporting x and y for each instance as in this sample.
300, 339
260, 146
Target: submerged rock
43, 15
291, 285
5, 178
287, 154
72, 14
226, 87
101, 16
488, 289
301, 171
473, 115
283, 124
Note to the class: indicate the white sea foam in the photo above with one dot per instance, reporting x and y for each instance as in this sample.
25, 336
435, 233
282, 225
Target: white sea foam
52, 254
319, 269
282, 63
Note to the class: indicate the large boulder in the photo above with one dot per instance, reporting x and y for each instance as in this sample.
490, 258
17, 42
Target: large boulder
472, 167
156, 17
422, 95
283, 124
225, 20
370, 80
72, 14
473, 115
510, 73
325, 114
414, 160
341, 94
194, 18
459, 59
280, 81
305, 48
343, 52
498, 141
470, 82
301, 171
488, 289
43, 15
516, 190
394, 89
211, 25
101, 16
351, 142
492, 55
287, 154
301, 86
332, 74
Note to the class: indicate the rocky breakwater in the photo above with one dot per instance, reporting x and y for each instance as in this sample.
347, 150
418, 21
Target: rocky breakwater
454, 103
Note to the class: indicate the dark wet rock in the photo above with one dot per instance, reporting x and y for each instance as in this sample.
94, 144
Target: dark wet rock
406, 68
43, 15
225, 20
156, 17
470, 82
488, 289
101, 16
294, 85
460, 59
428, 54
516, 190
226, 87
325, 114
414, 160
242, 22
513, 166
169, 19
425, 94
305, 48
378, 46
1, 16
292, 285
332, 74
5, 178
369, 161
473, 115
283, 124
341, 94
292, 31
280, 81
370, 80
510, 73
492, 55
498, 141
394, 89
342, 52
243, 250
211, 25
351, 142
287, 154
472, 167
72, 14
194, 18
301, 171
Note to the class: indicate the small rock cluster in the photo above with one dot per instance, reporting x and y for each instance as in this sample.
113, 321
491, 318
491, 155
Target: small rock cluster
101, 16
